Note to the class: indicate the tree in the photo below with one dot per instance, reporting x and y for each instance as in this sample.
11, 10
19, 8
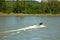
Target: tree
52, 6
2, 4
19, 7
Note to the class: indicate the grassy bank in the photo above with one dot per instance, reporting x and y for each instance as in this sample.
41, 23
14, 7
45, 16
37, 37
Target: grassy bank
21, 14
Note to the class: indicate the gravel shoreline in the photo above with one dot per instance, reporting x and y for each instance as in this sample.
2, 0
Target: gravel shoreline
29, 14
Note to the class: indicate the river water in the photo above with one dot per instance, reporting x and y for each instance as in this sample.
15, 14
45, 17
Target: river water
50, 32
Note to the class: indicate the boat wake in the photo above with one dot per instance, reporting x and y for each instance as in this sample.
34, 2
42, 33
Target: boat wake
23, 29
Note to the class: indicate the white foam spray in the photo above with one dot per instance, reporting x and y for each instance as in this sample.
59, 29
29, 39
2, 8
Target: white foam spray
21, 29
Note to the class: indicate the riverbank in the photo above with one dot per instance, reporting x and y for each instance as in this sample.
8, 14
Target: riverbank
29, 14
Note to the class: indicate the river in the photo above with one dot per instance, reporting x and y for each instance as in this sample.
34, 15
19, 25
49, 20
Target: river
50, 32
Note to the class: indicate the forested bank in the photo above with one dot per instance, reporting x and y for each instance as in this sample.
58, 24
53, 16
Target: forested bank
29, 7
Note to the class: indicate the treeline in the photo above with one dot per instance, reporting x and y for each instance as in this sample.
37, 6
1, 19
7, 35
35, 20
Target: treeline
29, 7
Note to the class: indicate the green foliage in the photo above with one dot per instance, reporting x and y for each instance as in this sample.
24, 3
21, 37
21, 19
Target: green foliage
2, 4
19, 7
29, 7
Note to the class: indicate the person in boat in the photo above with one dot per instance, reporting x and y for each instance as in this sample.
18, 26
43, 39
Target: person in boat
41, 23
